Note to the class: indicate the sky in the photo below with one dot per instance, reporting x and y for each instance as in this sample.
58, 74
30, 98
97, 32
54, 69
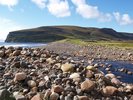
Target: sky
23, 14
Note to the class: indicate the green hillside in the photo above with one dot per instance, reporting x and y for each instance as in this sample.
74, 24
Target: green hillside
56, 33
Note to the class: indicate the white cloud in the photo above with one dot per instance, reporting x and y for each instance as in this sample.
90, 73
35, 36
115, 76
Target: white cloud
90, 12
59, 8
123, 19
7, 25
105, 17
40, 3
87, 11
9, 3
79, 2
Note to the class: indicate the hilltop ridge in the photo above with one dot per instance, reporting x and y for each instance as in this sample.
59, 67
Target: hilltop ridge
55, 33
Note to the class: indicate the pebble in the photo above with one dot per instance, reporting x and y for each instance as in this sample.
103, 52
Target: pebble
110, 76
89, 74
20, 76
115, 81
129, 73
58, 89
83, 98
47, 94
90, 68
109, 91
20, 97
54, 96
87, 85
16, 53
75, 76
2, 53
15, 64
67, 67
31, 83
36, 97
4, 94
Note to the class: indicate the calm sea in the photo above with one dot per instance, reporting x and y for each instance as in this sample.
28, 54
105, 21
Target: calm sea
21, 44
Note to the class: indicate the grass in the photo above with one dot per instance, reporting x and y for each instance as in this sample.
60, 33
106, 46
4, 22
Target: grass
120, 44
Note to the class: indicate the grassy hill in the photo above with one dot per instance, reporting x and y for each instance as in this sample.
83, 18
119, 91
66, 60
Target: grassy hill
56, 33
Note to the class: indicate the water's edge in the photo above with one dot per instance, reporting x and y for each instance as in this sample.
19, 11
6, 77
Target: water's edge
21, 44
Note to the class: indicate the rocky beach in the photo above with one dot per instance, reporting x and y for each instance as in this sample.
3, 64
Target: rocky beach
64, 71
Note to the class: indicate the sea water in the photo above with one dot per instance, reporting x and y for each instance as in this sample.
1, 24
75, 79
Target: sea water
21, 44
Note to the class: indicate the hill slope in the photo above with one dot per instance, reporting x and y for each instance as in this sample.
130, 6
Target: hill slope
54, 33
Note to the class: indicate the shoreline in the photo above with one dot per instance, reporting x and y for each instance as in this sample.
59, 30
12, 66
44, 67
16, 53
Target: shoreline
60, 71
92, 51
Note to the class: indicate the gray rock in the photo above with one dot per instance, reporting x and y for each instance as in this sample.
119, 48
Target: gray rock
4, 94
2, 53
23, 64
68, 97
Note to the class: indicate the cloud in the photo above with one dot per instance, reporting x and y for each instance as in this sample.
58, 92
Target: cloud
87, 11
7, 25
59, 8
40, 3
107, 17
9, 3
90, 12
124, 19
79, 2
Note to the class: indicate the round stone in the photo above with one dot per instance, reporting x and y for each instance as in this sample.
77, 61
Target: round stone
36, 97
115, 81
2, 53
31, 83
87, 85
58, 89
89, 74
110, 75
109, 90
67, 67
91, 68
54, 96
16, 52
20, 76
75, 76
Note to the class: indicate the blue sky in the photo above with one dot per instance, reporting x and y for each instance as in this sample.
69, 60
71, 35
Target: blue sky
22, 14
